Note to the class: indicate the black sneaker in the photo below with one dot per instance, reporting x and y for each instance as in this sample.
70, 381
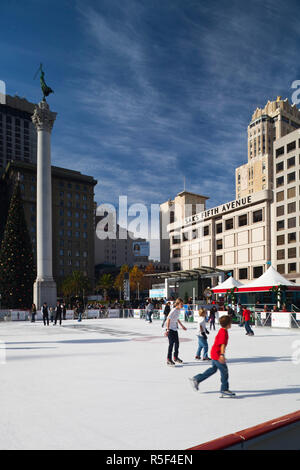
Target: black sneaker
170, 363
176, 359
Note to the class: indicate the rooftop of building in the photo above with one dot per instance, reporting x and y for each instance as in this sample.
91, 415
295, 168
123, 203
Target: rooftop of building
274, 107
16, 102
58, 172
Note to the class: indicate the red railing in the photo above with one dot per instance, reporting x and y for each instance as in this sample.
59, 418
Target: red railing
240, 437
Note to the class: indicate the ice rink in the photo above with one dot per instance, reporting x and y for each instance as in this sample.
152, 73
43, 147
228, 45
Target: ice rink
104, 384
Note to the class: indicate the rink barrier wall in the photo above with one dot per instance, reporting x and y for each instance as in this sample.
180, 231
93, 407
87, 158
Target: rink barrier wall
271, 319
278, 434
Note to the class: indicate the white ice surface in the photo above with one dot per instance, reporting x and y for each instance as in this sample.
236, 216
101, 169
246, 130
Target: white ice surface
104, 384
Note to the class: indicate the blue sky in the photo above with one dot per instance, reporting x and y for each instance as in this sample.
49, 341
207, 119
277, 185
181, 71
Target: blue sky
149, 92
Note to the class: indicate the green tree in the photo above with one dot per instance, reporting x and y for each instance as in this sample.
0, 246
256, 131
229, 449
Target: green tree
17, 269
105, 283
136, 277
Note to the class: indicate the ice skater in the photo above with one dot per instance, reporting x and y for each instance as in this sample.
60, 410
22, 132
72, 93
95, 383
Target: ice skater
246, 320
149, 311
172, 332
45, 314
58, 313
33, 313
217, 355
166, 313
202, 333
212, 318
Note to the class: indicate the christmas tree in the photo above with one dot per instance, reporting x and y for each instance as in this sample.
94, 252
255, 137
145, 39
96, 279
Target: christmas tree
17, 270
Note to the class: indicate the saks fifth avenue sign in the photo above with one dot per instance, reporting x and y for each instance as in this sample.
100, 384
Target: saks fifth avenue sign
220, 210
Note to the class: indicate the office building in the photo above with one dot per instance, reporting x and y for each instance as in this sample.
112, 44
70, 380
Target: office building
261, 226
18, 138
72, 215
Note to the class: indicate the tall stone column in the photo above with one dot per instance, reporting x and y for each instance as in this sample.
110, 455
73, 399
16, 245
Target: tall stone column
44, 289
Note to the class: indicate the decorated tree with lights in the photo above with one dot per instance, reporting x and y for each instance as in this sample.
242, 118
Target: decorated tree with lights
17, 269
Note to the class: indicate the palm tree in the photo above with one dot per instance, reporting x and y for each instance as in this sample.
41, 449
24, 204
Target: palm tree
75, 285
105, 283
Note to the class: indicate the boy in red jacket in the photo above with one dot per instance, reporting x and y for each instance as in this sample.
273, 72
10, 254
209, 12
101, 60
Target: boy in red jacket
217, 355
246, 319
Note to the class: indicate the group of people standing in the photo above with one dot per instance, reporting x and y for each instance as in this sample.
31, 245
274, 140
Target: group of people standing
54, 315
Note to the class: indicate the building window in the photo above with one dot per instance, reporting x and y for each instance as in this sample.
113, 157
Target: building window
280, 254
291, 207
292, 237
219, 228
279, 151
291, 146
219, 245
279, 181
292, 267
206, 230
257, 271
176, 253
185, 236
280, 225
228, 224
219, 260
175, 240
243, 220
280, 240
279, 167
243, 273
292, 252
257, 216
291, 192
194, 234
279, 211
281, 268
291, 177
292, 222
291, 162
280, 196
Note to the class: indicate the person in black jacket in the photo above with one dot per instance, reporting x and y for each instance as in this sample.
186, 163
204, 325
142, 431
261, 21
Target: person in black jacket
58, 313
166, 313
45, 314
212, 318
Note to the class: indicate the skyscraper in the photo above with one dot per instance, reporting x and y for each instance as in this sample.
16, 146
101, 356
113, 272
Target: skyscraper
277, 119
18, 139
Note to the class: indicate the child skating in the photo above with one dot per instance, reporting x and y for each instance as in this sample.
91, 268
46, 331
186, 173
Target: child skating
172, 332
218, 360
202, 333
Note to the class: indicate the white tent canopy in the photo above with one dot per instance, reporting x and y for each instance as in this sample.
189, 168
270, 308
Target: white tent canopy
228, 284
270, 278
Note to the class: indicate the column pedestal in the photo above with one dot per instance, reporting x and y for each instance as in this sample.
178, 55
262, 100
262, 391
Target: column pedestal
45, 291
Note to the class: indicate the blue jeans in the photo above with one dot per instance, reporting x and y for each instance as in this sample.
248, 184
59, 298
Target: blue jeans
248, 327
202, 344
212, 370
